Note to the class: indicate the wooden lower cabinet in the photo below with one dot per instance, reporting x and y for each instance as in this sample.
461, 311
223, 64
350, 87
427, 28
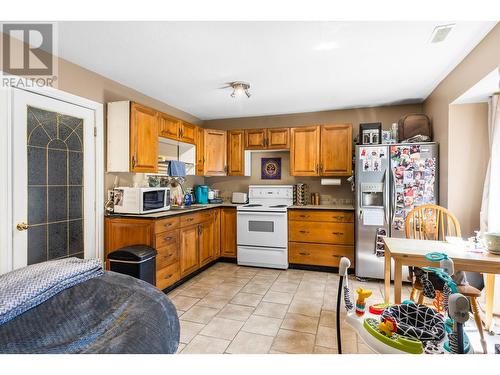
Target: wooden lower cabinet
188, 251
184, 243
320, 237
167, 276
316, 254
228, 233
206, 242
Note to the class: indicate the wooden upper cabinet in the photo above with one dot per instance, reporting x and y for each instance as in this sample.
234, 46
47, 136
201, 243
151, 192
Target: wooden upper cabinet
200, 156
304, 151
255, 139
214, 150
235, 153
169, 127
187, 132
336, 150
264, 139
143, 139
278, 138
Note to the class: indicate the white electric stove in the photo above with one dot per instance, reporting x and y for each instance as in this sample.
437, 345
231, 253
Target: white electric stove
262, 226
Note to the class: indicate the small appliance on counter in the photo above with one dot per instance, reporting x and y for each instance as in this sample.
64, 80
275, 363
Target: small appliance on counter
201, 194
239, 198
140, 200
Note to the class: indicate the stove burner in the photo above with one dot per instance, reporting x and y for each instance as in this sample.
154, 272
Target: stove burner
252, 205
279, 206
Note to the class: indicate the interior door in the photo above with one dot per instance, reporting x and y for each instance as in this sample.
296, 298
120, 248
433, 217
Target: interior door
53, 179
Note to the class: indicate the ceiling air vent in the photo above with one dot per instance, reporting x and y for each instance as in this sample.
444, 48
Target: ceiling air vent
441, 32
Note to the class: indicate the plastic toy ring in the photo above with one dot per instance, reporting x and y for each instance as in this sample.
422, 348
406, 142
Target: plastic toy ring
436, 257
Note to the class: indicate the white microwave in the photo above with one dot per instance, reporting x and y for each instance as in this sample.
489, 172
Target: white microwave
141, 200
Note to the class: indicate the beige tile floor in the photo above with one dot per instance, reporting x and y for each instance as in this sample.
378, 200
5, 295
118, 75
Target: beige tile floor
233, 309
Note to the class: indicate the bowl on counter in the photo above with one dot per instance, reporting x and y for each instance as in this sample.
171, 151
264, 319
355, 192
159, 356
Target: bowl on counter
492, 242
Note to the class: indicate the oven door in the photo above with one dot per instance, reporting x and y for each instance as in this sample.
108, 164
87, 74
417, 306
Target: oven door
263, 229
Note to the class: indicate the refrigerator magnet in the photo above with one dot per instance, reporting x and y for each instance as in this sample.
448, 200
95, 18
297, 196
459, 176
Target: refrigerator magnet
367, 165
408, 177
362, 153
376, 165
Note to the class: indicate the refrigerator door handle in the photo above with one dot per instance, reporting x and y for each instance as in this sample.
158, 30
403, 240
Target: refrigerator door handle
393, 200
386, 211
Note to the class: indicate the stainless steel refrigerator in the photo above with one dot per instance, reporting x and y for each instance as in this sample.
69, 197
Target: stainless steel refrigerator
390, 181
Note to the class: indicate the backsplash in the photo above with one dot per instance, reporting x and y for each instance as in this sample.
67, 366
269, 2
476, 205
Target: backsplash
328, 194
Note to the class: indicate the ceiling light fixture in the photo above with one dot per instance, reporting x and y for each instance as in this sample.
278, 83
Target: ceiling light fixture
441, 32
240, 88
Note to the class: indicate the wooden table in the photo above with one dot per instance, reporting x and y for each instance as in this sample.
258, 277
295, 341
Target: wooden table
410, 252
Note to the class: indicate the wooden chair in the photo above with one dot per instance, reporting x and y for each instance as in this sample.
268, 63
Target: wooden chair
435, 223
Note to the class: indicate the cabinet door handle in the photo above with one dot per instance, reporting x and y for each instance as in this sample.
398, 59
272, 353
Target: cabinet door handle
317, 167
133, 162
304, 253
336, 256
338, 217
338, 233
190, 219
303, 231
168, 276
167, 225
304, 216
167, 238
321, 167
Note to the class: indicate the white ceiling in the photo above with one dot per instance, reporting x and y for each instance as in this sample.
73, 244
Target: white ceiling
291, 66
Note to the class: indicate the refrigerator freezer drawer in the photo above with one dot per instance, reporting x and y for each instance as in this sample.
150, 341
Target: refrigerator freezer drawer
262, 257
333, 233
319, 254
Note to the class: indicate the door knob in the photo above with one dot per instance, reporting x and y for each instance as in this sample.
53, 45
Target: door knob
22, 226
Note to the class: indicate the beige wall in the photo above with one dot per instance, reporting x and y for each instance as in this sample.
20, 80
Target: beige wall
482, 60
468, 140
386, 115
328, 194
82, 82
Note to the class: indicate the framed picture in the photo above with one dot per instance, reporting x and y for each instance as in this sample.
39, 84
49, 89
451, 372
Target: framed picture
270, 169
370, 133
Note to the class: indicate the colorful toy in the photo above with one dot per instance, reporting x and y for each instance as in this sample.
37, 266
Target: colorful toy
388, 326
410, 327
363, 294
378, 308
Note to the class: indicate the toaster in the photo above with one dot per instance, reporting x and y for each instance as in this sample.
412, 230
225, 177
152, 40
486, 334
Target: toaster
239, 197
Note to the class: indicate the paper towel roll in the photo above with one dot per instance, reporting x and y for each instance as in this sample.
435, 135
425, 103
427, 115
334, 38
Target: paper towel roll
330, 181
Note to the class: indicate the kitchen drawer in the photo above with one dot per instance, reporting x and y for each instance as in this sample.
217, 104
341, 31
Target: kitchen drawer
167, 255
319, 254
198, 217
310, 231
320, 215
167, 238
167, 276
163, 225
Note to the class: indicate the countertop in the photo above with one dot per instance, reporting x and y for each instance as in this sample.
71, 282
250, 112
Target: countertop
194, 208
159, 215
343, 207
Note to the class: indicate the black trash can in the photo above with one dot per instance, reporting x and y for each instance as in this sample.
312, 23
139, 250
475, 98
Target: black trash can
138, 261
